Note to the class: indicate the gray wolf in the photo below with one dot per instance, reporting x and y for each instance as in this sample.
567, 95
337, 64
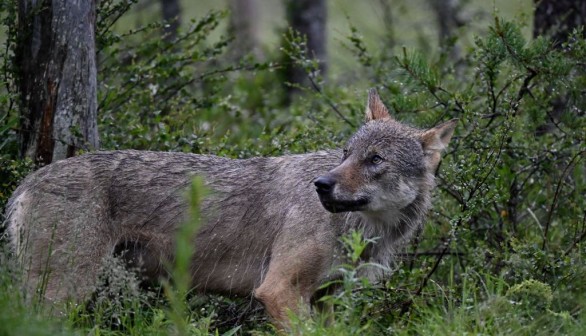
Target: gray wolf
271, 225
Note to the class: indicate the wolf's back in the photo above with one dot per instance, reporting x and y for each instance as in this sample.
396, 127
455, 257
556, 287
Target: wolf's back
84, 207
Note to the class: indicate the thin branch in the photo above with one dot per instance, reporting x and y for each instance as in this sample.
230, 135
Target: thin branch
524, 89
330, 103
556, 197
455, 194
429, 254
577, 240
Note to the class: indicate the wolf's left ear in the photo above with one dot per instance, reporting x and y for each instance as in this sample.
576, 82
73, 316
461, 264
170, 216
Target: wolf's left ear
434, 140
375, 109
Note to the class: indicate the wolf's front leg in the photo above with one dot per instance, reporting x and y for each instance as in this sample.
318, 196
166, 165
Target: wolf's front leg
292, 279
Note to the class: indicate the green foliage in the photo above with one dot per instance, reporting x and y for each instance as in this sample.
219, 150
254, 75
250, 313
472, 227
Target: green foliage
355, 245
483, 305
149, 90
518, 153
533, 296
176, 293
12, 171
182, 95
503, 250
508, 202
353, 299
8, 94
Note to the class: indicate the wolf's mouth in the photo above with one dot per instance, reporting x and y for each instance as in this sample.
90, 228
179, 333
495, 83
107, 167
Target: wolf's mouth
334, 206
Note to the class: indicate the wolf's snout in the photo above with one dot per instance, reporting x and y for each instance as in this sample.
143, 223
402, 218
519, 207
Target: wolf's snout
324, 184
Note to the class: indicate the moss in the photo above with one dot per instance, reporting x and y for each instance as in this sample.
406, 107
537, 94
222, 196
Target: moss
531, 296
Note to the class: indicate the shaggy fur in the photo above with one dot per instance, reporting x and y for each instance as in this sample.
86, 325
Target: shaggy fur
265, 232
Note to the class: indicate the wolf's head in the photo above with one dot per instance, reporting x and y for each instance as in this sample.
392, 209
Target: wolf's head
385, 166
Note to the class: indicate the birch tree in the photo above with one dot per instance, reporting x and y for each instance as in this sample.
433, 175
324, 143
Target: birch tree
243, 26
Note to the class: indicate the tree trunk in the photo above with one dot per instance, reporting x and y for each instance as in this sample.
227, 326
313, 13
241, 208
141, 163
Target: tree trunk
58, 86
244, 27
558, 18
449, 18
308, 17
386, 8
172, 15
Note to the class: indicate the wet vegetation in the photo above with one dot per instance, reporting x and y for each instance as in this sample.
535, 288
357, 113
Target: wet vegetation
502, 252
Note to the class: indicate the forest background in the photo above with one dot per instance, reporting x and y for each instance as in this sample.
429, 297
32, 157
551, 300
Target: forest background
502, 251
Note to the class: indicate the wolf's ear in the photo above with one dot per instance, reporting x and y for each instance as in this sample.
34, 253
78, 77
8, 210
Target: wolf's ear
434, 140
375, 109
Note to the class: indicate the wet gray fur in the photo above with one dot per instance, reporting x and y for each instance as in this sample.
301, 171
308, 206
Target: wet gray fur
66, 218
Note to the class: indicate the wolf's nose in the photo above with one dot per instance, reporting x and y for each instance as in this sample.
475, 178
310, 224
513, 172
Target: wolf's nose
324, 184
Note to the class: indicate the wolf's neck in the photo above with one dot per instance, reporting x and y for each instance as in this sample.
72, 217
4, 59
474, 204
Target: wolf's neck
389, 230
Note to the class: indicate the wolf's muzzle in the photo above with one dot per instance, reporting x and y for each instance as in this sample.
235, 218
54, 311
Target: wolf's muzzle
324, 186
333, 205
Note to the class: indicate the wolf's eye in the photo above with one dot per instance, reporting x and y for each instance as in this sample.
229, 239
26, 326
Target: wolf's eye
376, 159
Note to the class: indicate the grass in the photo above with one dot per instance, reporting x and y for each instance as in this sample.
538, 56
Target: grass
453, 303
479, 304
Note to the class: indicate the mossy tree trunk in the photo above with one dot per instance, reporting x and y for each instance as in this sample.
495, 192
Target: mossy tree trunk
56, 58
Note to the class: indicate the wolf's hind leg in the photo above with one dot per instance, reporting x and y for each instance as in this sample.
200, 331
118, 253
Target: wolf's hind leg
61, 270
80, 277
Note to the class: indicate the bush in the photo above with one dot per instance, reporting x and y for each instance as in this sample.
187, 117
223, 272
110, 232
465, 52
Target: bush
503, 248
508, 203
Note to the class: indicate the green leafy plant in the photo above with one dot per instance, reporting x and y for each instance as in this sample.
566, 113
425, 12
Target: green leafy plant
503, 249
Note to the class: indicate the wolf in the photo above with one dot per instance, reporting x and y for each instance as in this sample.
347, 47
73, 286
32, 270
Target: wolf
271, 226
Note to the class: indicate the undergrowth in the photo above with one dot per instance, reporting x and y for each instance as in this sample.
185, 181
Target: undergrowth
502, 252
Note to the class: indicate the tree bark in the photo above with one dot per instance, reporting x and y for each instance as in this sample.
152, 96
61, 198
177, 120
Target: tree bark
449, 18
308, 17
56, 57
558, 18
244, 27
386, 8
172, 15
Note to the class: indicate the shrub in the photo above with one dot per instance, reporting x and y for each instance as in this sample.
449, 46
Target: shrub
503, 248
